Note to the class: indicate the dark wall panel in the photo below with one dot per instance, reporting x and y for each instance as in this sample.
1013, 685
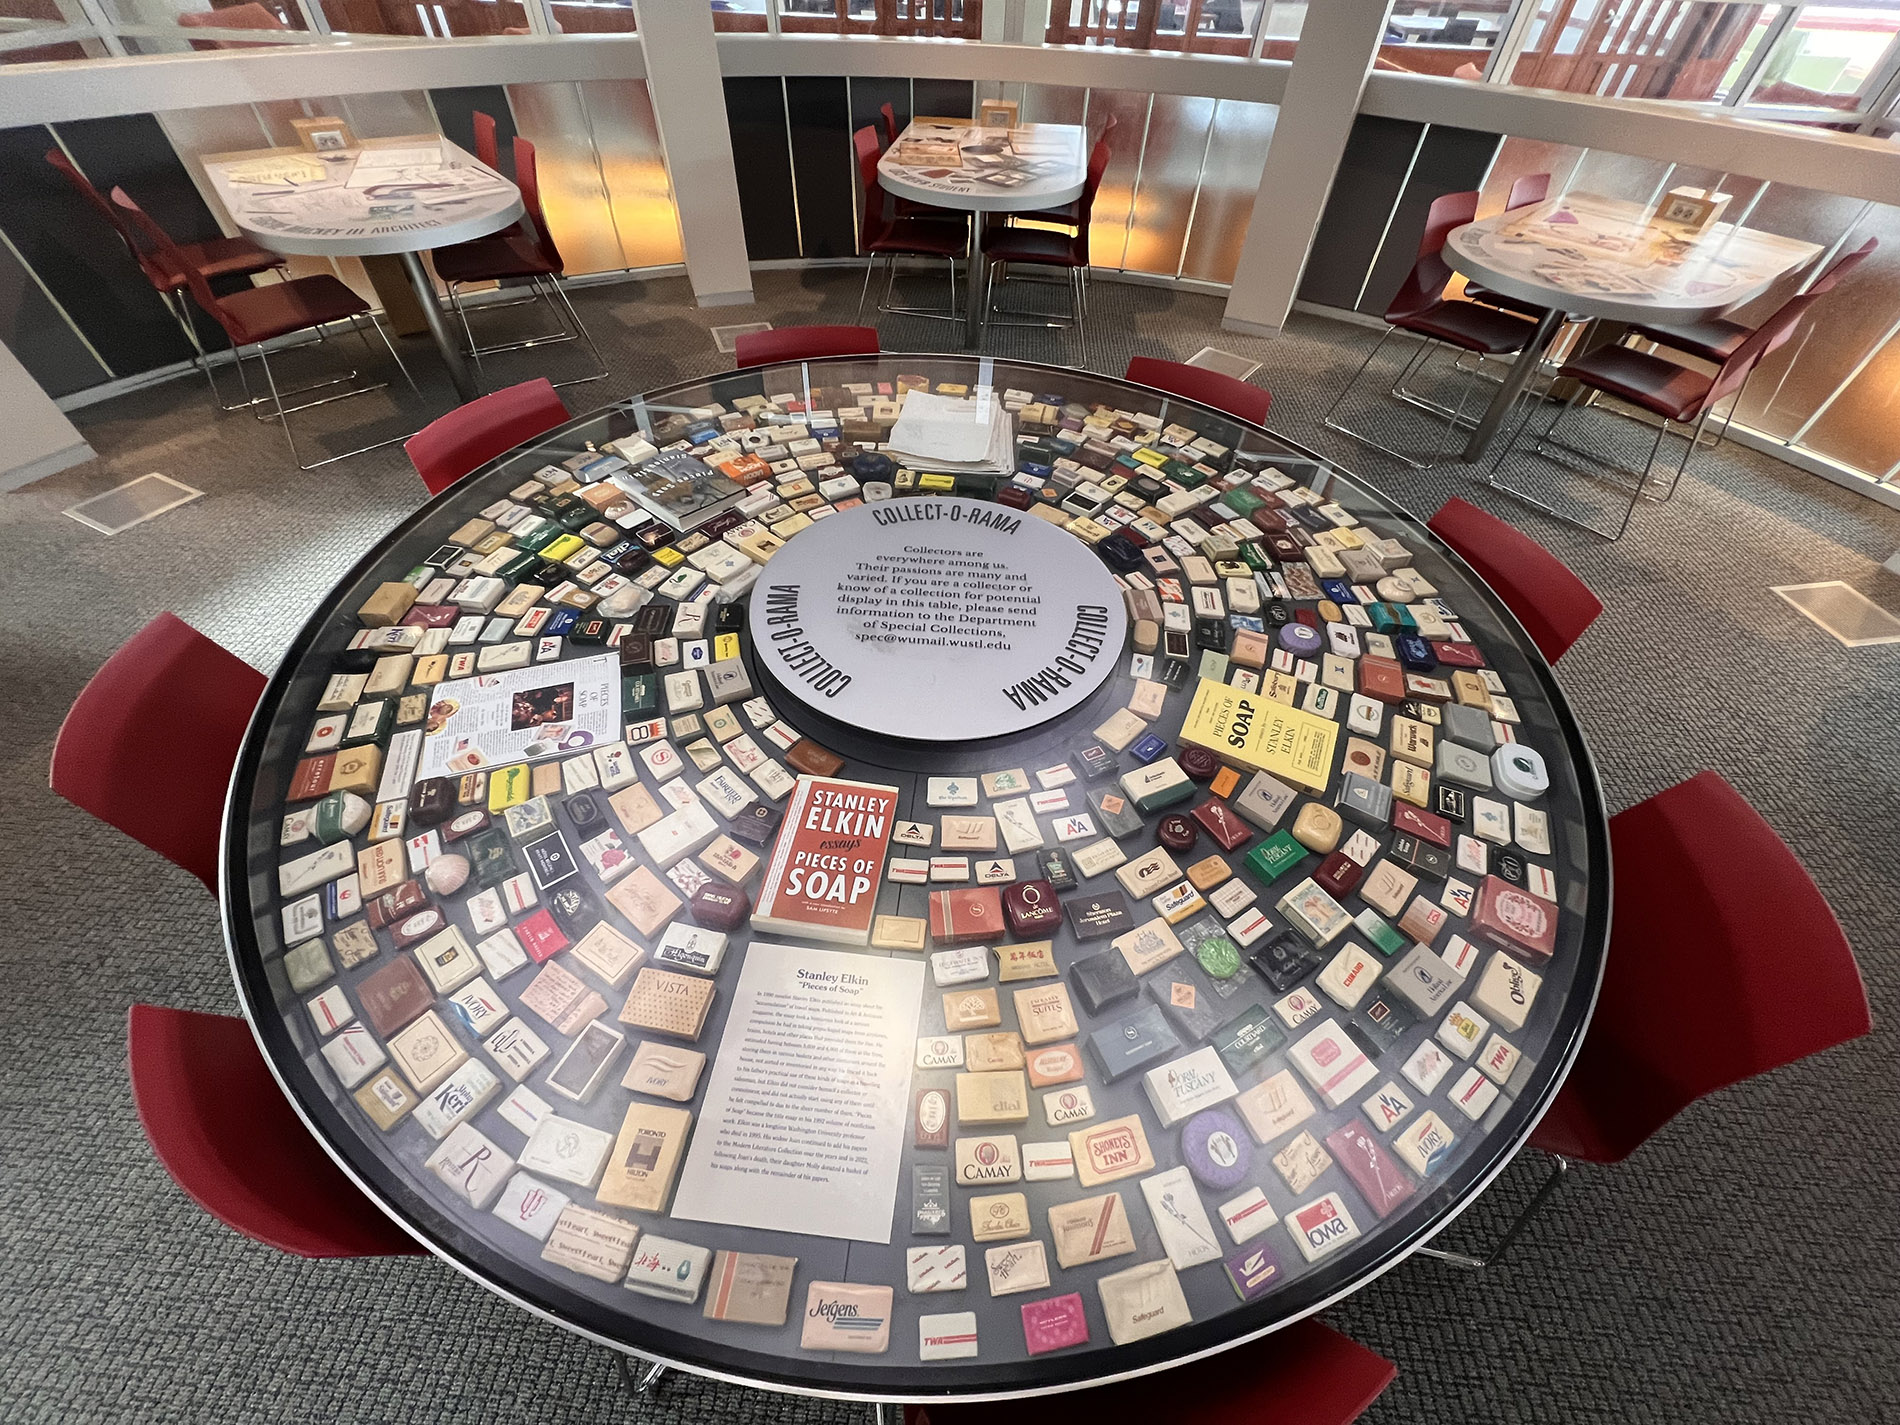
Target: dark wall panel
821, 158
76, 253
755, 108
1449, 161
39, 335
132, 151
869, 95
1371, 175
455, 111
944, 98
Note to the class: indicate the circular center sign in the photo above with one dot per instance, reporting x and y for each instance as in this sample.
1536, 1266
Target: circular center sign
938, 620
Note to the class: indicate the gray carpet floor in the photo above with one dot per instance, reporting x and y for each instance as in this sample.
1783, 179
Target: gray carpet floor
1740, 1268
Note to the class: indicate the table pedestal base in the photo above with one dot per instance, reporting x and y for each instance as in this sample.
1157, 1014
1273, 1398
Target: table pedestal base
423, 288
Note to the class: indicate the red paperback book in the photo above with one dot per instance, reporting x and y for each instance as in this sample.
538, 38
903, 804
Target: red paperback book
823, 876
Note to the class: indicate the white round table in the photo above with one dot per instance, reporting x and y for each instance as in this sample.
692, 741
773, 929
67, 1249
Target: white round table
1588, 256
388, 197
1027, 169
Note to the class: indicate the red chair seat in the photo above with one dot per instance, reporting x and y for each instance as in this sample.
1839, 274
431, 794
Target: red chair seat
1725, 961
1478, 293
803, 344
224, 1131
1210, 388
1657, 385
260, 313
1030, 245
1306, 1374
924, 236
490, 259
171, 688
1468, 325
1716, 339
226, 257
470, 436
1553, 604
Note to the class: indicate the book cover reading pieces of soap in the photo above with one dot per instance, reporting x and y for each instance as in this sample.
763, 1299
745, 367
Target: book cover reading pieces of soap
521, 715
822, 880
807, 1107
1261, 734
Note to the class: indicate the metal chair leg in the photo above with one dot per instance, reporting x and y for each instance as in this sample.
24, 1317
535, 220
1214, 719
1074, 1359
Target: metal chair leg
1346, 390
870, 265
282, 413
601, 374
1560, 1168
639, 1383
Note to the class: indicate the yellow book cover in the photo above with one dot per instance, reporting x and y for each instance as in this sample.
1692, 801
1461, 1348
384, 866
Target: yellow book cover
1261, 734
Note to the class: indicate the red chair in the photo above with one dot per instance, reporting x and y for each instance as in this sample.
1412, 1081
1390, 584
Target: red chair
1196, 383
171, 690
883, 233
256, 315
803, 344
1043, 247
1305, 1374
526, 253
470, 436
1526, 190
1422, 309
1677, 395
1712, 910
218, 257
486, 149
222, 1128
1553, 604
1716, 339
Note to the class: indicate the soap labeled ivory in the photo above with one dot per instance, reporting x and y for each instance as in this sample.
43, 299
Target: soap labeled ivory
822, 880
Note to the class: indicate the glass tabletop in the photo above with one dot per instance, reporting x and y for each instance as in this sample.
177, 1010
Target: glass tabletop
916, 876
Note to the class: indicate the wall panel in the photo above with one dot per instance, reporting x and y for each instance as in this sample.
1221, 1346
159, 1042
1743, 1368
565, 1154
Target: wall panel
1236, 154
1449, 161
819, 112
553, 117
755, 109
81, 260
44, 341
1370, 178
627, 140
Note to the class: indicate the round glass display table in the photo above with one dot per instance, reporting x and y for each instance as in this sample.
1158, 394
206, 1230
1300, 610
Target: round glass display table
783, 907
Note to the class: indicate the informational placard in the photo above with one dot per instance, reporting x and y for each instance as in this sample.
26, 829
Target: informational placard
938, 620
804, 1117
522, 715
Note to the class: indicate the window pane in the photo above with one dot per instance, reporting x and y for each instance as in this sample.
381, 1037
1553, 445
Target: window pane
1827, 57
742, 15
1641, 49
434, 19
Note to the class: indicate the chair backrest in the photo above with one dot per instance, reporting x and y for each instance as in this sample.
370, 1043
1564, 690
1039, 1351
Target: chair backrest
250, 16
158, 254
1527, 189
1779, 329
803, 344
528, 180
874, 221
224, 1131
1305, 1374
1085, 205
486, 149
888, 113
1843, 265
1712, 910
83, 185
1210, 388
1425, 284
1553, 604
169, 687
470, 436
